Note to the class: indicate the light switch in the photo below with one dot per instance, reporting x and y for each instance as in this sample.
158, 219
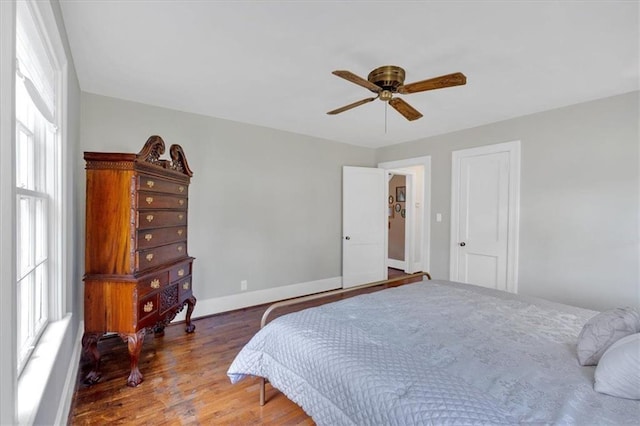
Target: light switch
438, 217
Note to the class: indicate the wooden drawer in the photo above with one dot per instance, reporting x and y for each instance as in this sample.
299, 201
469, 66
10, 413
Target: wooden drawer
184, 286
157, 256
152, 283
150, 183
157, 219
160, 236
147, 310
150, 200
180, 272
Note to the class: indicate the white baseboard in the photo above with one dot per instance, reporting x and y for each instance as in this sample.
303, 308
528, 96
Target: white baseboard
252, 298
62, 416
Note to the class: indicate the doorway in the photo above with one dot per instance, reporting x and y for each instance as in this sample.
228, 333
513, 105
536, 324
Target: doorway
417, 210
397, 222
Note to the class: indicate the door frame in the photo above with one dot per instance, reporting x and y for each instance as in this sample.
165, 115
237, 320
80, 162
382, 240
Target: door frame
424, 239
513, 148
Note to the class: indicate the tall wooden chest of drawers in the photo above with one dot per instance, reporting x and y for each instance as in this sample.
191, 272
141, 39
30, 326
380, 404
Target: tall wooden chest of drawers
137, 270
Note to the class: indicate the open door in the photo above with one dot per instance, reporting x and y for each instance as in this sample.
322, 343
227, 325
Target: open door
364, 225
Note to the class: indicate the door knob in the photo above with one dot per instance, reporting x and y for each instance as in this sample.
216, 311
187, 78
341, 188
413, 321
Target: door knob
462, 244
347, 237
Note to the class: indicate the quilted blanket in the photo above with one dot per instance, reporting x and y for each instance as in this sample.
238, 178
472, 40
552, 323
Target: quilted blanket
433, 352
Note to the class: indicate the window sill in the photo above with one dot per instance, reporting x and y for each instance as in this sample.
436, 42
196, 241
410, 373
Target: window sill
35, 376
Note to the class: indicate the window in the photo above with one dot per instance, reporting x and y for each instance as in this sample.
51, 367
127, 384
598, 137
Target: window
38, 178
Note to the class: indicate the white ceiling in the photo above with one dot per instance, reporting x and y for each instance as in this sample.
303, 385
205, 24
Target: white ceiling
269, 62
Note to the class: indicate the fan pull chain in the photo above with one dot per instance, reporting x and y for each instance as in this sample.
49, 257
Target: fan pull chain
386, 104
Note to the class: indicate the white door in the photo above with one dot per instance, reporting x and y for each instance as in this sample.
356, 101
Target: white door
364, 225
484, 206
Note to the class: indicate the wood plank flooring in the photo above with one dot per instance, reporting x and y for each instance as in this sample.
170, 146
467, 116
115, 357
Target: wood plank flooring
185, 379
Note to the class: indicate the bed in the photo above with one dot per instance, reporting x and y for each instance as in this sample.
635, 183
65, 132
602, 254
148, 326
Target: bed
433, 352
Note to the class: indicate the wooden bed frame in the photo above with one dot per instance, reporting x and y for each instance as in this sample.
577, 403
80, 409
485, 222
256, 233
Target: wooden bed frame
310, 297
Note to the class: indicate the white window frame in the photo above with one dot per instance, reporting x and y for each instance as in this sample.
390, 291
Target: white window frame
59, 201
8, 397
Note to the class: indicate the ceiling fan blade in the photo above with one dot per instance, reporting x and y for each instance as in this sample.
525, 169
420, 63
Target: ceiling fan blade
353, 105
449, 80
348, 75
409, 112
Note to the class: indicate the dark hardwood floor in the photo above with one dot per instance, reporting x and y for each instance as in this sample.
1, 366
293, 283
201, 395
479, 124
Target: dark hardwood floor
185, 379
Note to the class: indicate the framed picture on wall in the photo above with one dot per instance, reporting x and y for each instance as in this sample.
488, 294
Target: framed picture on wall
390, 199
403, 213
391, 214
400, 193
398, 207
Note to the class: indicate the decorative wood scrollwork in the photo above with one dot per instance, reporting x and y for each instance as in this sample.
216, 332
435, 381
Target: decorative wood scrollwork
153, 150
179, 160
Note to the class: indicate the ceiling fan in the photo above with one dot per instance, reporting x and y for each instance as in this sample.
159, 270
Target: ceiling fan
387, 80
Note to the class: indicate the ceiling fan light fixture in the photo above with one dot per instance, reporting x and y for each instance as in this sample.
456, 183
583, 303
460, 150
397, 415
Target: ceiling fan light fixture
386, 95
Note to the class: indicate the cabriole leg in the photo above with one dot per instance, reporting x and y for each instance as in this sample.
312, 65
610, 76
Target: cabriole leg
191, 303
90, 347
134, 342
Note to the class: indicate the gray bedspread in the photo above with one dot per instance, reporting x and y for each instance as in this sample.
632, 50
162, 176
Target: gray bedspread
433, 352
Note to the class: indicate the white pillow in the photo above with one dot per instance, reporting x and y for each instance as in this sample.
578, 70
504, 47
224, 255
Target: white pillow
618, 372
603, 330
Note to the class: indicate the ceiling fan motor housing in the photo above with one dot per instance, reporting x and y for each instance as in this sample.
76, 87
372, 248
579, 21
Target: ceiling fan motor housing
388, 77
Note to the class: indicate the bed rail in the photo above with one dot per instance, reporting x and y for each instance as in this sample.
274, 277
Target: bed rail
315, 296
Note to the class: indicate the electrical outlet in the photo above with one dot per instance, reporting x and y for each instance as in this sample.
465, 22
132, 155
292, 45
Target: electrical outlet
243, 285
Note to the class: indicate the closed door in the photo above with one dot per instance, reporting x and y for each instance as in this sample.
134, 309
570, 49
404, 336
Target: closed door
364, 223
484, 216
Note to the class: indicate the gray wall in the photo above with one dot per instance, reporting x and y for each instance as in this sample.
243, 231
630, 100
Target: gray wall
579, 199
265, 205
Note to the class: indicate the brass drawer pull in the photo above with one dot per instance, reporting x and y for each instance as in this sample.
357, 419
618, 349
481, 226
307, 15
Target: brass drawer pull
148, 237
181, 202
180, 231
150, 183
180, 248
181, 273
149, 200
150, 218
149, 257
148, 307
155, 283
181, 188
180, 216
185, 285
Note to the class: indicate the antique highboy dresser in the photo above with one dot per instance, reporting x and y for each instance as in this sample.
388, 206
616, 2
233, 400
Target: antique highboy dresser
137, 270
